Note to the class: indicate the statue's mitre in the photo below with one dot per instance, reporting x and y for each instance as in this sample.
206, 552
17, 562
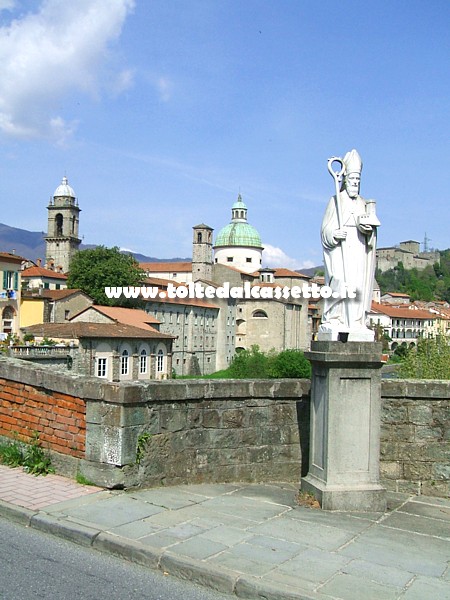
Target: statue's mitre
352, 162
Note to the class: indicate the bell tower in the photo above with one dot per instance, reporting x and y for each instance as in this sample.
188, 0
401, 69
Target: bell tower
202, 252
62, 239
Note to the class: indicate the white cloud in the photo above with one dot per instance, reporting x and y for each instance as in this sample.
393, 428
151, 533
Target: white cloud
275, 257
164, 87
123, 81
48, 54
7, 4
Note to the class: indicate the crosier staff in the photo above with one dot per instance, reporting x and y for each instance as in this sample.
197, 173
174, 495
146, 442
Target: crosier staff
337, 176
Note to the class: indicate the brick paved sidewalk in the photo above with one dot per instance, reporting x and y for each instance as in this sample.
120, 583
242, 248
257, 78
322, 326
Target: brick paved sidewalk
29, 491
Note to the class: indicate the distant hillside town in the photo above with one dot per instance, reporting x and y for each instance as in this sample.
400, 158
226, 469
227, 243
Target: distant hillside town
43, 320
408, 253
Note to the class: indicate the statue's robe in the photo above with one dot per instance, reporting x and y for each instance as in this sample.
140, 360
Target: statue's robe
350, 265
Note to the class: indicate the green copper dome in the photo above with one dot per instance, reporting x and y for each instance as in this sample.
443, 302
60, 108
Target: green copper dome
238, 232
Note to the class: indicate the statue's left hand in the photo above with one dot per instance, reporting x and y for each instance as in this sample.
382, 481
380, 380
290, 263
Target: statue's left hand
365, 228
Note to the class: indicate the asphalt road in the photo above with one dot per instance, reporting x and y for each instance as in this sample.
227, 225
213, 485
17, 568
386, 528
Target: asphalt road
36, 565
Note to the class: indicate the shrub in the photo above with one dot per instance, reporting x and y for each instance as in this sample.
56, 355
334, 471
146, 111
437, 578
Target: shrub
429, 360
250, 364
290, 363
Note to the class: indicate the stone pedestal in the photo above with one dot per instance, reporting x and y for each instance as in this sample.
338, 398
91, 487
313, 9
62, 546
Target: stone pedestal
345, 426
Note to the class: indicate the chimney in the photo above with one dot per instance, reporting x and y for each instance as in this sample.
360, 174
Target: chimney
39, 261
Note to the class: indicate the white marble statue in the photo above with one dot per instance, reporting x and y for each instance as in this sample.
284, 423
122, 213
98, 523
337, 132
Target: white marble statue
348, 233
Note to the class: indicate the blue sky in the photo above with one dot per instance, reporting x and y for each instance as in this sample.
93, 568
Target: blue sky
161, 111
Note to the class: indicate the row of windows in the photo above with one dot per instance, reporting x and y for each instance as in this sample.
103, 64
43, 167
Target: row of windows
180, 315
207, 341
102, 363
410, 322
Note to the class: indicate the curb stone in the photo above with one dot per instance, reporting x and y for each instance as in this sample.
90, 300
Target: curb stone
130, 550
217, 578
250, 587
74, 532
18, 514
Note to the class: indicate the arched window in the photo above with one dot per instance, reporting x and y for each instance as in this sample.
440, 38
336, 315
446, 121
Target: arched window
199, 237
143, 362
124, 363
74, 220
59, 225
259, 314
160, 361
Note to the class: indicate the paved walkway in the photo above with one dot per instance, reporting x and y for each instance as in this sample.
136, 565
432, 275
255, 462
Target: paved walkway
250, 540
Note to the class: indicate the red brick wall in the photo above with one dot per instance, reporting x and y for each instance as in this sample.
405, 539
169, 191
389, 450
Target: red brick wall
59, 419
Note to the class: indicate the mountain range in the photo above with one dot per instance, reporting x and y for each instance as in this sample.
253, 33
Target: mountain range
31, 245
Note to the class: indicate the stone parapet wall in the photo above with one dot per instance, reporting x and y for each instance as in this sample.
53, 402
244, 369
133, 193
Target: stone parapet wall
415, 437
213, 430
199, 431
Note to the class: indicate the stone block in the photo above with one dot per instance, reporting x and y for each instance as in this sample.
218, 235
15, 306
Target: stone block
173, 419
107, 476
437, 488
408, 487
233, 418
393, 413
95, 412
441, 471
427, 432
417, 471
390, 450
198, 438
123, 393
420, 414
258, 416
224, 438
211, 418
391, 469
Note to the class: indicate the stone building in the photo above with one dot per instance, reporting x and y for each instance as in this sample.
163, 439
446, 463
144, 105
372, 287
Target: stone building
194, 324
62, 240
408, 253
233, 322
111, 351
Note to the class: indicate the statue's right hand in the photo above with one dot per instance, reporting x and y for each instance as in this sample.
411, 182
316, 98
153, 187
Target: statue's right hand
340, 234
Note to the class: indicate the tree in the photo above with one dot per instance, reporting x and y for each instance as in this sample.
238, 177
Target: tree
94, 269
430, 360
290, 363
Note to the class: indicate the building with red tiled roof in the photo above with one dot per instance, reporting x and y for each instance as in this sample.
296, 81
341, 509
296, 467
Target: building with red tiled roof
405, 325
172, 271
112, 351
51, 306
117, 314
41, 278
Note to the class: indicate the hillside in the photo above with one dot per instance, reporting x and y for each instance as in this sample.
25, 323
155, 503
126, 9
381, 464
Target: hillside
31, 245
433, 283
